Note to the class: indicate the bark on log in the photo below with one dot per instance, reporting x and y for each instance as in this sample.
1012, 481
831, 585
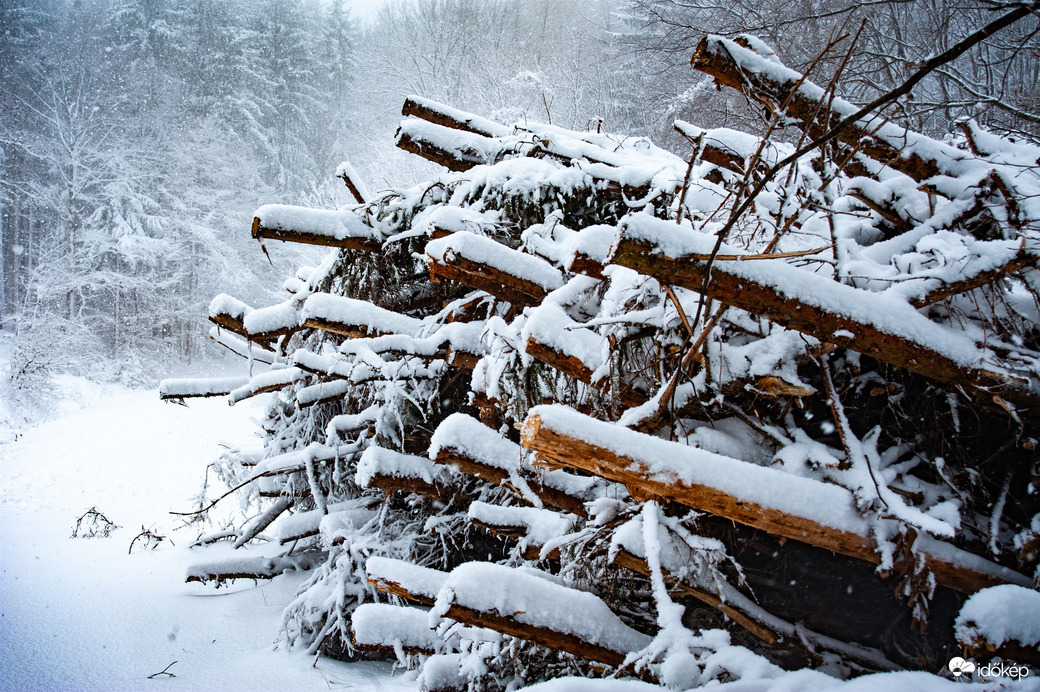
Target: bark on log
556, 448
470, 149
175, 389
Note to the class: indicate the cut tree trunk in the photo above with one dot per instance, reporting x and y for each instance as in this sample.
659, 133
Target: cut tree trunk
770, 500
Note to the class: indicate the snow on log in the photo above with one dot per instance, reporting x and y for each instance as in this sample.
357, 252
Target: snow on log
456, 150
270, 381
482, 263
322, 392
443, 673
722, 147
582, 252
354, 318
884, 327
446, 116
522, 604
297, 460
242, 347
400, 578
553, 338
328, 227
222, 570
337, 429
392, 471
391, 629
229, 313
264, 325
469, 446
1002, 621
786, 92
199, 387
780, 503
535, 528
345, 172
342, 516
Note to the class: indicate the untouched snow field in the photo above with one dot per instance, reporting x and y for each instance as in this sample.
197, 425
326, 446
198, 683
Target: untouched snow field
83, 614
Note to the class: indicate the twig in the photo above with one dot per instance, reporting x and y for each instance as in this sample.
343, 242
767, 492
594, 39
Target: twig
164, 671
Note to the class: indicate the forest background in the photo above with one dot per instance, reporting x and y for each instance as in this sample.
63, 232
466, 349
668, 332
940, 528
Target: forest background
138, 136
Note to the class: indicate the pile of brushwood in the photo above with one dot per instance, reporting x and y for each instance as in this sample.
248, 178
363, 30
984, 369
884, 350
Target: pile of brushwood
582, 406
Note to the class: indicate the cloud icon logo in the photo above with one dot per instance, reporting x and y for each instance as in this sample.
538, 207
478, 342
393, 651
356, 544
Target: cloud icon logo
958, 666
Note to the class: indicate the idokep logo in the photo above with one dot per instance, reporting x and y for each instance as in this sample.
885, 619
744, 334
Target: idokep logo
959, 667
962, 670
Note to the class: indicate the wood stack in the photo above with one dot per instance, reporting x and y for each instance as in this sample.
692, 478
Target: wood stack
728, 388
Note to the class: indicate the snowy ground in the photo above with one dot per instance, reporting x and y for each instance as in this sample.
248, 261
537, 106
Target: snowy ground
83, 614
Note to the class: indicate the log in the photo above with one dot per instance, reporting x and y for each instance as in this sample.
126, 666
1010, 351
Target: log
486, 265
404, 579
325, 227
296, 460
459, 150
323, 392
271, 381
574, 367
779, 503
198, 387
446, 116
1000, 623
887, 212
454, 149
345, 172
463, 360
392, 471
355, 318
534, 608
812, 304
348, 514
263, 521
220, 571
388, 629
783, 91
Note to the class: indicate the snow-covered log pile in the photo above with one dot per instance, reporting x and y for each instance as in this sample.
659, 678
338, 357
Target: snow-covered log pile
584, 406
